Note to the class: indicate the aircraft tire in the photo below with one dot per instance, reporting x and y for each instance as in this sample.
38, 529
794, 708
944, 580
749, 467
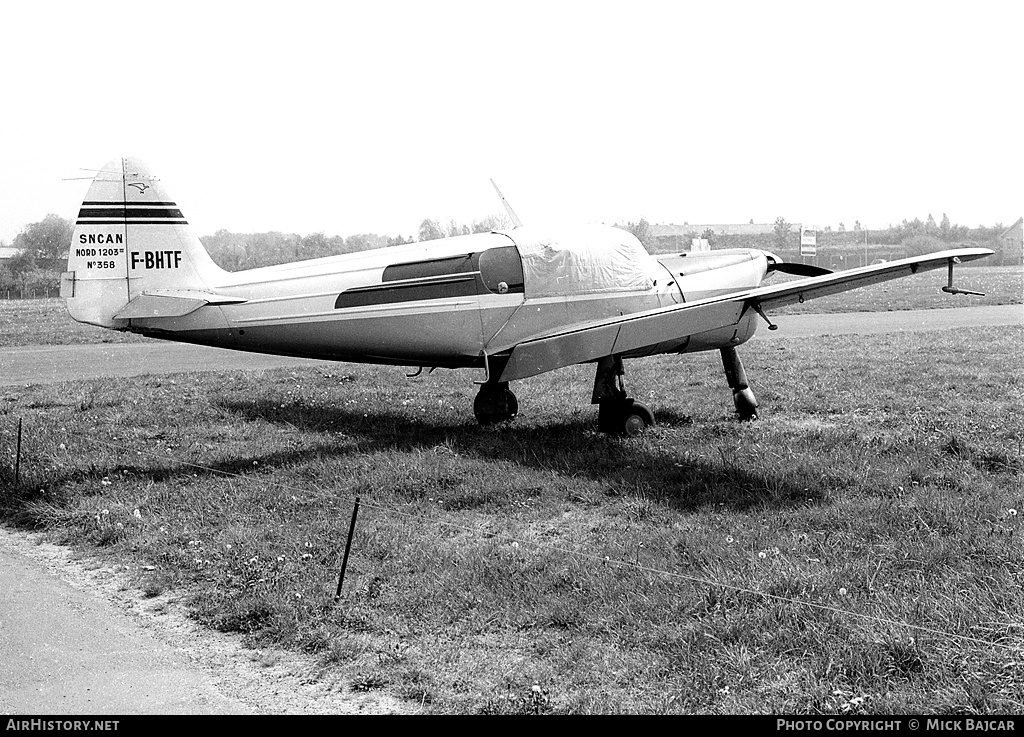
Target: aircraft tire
638, 419
494, 405
513, 404
746, 404
624, 417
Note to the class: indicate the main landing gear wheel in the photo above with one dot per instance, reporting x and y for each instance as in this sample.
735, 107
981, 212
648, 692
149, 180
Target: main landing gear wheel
623, 417
617, 413
495, 403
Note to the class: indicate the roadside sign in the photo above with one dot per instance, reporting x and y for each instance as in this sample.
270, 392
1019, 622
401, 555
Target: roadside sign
808, 240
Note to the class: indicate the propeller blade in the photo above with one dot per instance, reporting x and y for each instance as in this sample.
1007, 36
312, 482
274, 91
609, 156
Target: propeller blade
797, 269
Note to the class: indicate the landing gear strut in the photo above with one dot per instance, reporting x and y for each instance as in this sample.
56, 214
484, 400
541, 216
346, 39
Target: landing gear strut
742, 396
617, 413
495, 403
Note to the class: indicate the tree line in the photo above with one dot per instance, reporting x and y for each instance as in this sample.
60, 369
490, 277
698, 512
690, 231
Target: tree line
237, 251
909, 238
42, 256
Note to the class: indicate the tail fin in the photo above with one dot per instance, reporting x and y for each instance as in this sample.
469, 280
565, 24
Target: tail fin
130, 242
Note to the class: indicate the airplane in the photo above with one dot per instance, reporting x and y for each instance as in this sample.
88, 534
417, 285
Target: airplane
513, 303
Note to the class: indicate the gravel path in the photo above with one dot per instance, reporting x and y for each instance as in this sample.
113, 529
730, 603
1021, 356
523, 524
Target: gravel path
75, 640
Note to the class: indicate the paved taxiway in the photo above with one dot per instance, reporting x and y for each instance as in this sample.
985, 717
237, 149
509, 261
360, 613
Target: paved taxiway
64, 650
21, 366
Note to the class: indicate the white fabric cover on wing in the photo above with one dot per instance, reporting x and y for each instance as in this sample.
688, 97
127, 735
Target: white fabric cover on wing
582, 260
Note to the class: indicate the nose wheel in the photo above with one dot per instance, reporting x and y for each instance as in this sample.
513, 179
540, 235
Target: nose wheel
495, 403
742, 396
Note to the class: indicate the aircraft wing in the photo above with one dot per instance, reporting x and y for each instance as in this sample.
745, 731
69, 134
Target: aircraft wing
670, 326
840, 281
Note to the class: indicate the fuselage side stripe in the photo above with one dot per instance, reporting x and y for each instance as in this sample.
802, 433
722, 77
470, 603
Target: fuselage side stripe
442, 288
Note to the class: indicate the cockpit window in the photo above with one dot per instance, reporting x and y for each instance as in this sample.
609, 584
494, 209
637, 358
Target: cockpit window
501, 270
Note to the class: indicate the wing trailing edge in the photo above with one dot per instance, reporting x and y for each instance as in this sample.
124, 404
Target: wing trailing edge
661, 330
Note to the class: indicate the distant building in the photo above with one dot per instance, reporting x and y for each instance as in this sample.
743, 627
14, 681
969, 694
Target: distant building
672, 237
6, 252
1012, 240
720, 229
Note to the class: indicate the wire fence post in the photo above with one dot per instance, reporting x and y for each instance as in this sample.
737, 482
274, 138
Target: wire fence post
348, 546
17, 456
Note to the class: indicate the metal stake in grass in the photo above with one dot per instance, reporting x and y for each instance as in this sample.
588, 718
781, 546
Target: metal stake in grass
348, 546
17, 456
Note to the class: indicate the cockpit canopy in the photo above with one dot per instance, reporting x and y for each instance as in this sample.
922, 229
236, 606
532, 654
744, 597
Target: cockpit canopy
582, 260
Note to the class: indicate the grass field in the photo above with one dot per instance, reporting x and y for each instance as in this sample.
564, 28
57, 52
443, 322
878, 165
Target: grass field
857, 550
46, 322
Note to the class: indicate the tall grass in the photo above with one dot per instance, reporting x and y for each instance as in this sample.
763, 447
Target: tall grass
856, 550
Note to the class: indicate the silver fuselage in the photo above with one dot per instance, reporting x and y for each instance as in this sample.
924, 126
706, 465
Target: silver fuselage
418, 305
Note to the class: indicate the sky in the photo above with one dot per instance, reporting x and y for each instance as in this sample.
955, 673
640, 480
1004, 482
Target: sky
344, 117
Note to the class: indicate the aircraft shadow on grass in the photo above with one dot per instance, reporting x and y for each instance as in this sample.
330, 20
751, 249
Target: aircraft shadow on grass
570, 448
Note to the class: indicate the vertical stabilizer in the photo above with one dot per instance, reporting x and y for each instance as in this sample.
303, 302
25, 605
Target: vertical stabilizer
130, 239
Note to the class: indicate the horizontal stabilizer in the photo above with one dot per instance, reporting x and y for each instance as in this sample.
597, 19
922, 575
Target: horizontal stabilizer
172, 303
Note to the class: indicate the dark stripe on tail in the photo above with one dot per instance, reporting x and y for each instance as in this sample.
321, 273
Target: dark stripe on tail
120, 213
